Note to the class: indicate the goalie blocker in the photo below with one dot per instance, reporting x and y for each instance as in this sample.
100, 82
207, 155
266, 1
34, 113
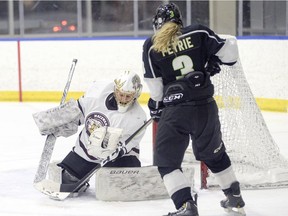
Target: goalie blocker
133, 184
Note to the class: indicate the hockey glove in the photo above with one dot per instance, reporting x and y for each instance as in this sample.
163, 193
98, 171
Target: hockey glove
213, 65
155, 108
103, 141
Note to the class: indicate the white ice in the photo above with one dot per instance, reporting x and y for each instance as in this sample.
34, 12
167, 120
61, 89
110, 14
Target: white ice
21, 146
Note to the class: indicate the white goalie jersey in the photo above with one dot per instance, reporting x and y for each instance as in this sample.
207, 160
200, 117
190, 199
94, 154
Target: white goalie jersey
99, 109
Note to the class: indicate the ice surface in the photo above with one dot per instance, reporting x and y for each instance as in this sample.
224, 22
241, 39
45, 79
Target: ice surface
21, 147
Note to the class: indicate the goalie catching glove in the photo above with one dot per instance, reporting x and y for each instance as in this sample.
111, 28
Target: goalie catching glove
103, 141
60, 121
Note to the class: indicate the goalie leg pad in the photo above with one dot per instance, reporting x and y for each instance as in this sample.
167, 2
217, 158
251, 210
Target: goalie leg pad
133, 183
76, 165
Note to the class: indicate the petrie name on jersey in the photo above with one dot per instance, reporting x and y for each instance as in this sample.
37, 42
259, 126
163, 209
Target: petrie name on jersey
183, 44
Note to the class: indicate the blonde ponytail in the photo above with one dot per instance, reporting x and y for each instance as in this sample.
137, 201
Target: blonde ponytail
166, 37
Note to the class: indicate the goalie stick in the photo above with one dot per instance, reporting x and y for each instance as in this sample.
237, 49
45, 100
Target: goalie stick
60, 191
51, 139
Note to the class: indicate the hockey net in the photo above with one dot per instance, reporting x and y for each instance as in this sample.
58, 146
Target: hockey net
255, 156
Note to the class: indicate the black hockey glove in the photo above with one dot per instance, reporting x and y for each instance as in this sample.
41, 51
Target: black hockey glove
155, 108
213, 65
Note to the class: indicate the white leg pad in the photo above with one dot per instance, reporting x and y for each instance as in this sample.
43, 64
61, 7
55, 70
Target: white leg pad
133, 184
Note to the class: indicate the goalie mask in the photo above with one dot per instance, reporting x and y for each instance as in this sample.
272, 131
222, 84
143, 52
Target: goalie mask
164, 13
127, 88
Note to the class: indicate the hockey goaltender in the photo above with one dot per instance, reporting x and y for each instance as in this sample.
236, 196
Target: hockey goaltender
110, 114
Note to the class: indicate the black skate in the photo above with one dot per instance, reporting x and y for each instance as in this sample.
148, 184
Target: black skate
81, 190
233, 202
68, 178
188, 209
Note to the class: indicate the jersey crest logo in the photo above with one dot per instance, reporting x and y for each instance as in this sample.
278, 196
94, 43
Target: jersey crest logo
95, 120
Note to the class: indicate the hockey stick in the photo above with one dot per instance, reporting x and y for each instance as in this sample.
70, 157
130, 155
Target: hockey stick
60, 191
51, 139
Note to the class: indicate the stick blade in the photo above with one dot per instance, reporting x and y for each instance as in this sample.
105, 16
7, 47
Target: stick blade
51, 189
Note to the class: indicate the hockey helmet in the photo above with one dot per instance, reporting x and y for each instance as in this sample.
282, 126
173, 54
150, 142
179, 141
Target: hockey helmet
165, 13
127, 88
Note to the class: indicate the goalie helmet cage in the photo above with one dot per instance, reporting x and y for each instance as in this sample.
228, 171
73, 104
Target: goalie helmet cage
254, 155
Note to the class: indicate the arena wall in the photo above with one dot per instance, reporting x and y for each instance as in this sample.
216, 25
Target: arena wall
37, 69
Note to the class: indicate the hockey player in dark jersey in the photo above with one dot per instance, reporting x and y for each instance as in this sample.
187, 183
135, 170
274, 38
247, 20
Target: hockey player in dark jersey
178, 63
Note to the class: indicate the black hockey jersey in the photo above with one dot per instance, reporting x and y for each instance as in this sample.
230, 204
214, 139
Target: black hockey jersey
197, 43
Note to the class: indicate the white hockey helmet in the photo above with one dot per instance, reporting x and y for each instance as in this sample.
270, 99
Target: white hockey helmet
127, 88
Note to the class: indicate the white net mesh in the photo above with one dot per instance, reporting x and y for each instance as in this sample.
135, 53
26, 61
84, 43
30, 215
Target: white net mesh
255, 157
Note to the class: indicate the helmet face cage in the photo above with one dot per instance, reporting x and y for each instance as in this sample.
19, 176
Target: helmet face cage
127, 89
165, 13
